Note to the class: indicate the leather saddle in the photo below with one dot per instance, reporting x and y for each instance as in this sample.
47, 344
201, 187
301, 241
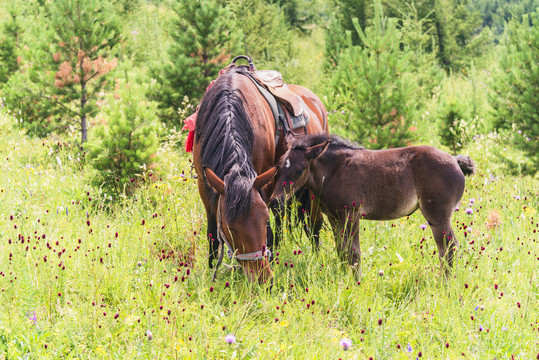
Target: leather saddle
273, 80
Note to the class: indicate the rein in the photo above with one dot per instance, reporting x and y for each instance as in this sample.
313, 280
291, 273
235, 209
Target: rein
253, 256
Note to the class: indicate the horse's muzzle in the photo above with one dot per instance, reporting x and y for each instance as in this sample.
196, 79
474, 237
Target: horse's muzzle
258, 270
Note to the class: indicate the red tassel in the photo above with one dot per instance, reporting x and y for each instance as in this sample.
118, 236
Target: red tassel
190, 141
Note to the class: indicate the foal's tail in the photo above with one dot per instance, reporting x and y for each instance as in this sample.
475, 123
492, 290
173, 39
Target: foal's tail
466, 164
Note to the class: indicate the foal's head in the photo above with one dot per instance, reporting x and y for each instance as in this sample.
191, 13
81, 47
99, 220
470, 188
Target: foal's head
295, 164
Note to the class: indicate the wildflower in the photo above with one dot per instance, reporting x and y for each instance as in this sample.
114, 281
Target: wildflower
423, 226
472, 200
345, 343
409, 348
149, 335
230, 339
469, 210
381, 273
32, 317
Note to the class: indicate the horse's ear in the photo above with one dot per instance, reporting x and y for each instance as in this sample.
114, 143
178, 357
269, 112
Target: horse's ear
213, 180
265, 178
316, 151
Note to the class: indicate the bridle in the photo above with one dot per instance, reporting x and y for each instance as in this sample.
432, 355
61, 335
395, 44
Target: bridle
252, 256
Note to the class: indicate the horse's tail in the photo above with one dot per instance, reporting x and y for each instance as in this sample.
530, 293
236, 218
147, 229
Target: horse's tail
466, 164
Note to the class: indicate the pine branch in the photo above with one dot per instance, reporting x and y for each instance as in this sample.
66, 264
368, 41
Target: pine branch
59, 103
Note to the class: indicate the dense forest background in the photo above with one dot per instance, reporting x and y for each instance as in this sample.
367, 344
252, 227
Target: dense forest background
111, 80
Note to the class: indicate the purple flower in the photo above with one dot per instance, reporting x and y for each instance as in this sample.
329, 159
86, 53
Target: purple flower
345, 343
423, 226
230, 339
409, 348
32, 317
469, 210
472, 200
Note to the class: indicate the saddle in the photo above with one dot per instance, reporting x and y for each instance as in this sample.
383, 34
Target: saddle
273, 80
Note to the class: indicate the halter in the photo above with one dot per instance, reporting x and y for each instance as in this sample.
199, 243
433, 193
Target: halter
253, 256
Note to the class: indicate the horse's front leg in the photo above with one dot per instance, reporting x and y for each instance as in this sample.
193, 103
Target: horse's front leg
277, 207
212, 238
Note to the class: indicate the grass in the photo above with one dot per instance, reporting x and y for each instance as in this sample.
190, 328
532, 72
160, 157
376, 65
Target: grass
81, 279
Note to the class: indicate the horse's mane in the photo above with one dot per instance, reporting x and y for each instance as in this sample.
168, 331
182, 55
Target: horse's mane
336, 143
226, 140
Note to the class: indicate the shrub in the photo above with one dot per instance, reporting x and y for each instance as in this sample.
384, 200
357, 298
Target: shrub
516, 96
124, 148
372, 86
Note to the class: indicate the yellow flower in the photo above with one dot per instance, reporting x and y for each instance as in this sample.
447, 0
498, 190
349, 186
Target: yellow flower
284, 323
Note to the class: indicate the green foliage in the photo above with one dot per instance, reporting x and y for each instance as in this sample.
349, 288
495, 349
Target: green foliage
418, 38
456, 129
516, 96
459, 32
373, 88
9, 36
125, 148
341, 24
263, 31
85, 43
201, 44
496, 13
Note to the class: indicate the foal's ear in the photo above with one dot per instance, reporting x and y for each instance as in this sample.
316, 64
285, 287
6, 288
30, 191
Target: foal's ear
214, 181
265, 178
316, 151
289, 140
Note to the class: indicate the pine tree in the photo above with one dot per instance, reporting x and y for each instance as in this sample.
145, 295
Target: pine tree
263, 31
202, 42
85, 39
372, 87
516, 96
9, 44
342, 23
461, 36
125, 147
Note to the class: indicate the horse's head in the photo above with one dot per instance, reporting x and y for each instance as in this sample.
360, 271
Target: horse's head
295, 166
244, 232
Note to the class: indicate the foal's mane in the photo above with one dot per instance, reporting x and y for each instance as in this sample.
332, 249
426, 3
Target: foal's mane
337, 143
226, 142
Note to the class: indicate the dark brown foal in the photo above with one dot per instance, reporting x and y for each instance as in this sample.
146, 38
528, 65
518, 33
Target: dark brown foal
354, 183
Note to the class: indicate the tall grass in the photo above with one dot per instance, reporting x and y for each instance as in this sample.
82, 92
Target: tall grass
81, 279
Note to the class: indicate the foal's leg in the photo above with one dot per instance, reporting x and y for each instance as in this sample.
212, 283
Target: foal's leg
347, 241
310, 210
446, 241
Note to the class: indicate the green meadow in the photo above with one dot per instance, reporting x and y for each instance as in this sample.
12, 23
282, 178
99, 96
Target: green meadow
81, 277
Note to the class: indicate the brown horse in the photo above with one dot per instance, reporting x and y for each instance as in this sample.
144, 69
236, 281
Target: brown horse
234, 142
354, 183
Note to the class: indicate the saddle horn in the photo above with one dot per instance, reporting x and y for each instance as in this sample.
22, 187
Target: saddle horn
252, 66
